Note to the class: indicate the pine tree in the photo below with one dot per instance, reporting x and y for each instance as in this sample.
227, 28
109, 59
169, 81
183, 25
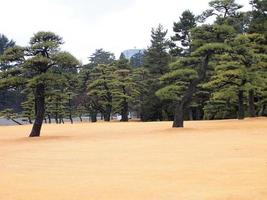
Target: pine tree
156, 62
258, 23
186, 74
182, 34
156, 57
226, 12
100, 89
5, 43
137, 60
125, 90
34, 67
101, 57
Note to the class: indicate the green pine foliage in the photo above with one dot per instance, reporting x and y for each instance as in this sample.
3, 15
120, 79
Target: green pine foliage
213, 70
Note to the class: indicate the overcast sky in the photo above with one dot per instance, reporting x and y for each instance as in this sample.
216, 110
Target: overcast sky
86, 25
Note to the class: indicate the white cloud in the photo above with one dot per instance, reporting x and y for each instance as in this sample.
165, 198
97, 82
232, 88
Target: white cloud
89, 24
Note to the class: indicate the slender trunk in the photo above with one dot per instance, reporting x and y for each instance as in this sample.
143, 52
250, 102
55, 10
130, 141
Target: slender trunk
263, 112
252, 112
70, 114
160, 114
71, 120
30, 120
81, 119
190, 113
40, 110
49, 119
125, 111
93, 116
198, 113
107, 113
56, 118
241, 112
178, 116
35, 107
56, 114
13, 120
142, 117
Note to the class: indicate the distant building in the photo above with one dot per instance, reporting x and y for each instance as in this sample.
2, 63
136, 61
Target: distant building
131, 52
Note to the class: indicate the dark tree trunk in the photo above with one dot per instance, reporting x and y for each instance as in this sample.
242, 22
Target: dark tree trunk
49, 119
190, 113
107, 113
252, 111
40, 110
142, 116
241, 112
160, 114
35, 107
178, 116
30, 120
181, 106
93, 116
71, 120
125, 111
56, 118
70, 114
263, 110
13, 120
61, 120
198, 113
80, 117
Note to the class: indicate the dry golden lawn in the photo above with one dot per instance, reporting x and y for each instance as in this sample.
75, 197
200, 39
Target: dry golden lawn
208, 160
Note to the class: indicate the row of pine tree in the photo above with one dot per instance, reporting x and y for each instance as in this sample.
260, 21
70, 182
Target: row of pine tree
205, 70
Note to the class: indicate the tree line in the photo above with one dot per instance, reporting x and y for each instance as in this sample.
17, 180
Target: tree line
204, 71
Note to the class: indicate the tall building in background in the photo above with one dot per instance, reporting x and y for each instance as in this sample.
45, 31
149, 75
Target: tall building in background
135, 56
129, 53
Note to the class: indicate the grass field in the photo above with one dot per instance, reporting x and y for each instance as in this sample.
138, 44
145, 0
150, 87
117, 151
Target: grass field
208, 160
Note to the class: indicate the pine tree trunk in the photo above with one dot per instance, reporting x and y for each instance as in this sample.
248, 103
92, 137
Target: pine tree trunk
190, 113
263, 110
241, 112
125, 111
178, 116
107, 113
93, 116
70, 114
71, 120
81, 119
49, 119
30, 120
56, 118
13, 120
40, 110
179, 110
198, 113
252, 112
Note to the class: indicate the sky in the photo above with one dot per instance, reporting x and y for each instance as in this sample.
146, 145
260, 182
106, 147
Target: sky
86, 25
